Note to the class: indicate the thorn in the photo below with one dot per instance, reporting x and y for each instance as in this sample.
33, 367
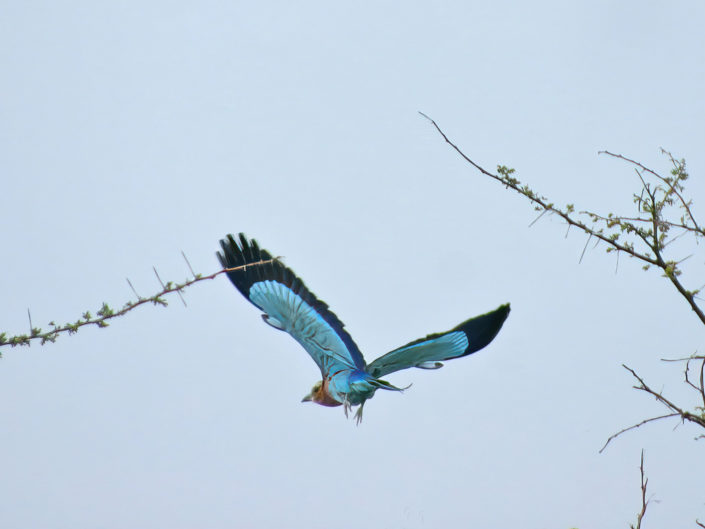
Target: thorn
189, 264
616, 267
165, 290
133, 288
585, 248
29, 315
159, 278
537, 218
182, 298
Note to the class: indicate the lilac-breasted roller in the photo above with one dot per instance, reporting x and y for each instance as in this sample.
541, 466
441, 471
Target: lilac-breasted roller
346, 379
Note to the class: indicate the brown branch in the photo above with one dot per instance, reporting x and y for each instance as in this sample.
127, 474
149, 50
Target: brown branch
105, 313
633, 162
686, 372
541, 201
633, 427
644, 501
685, 415
689, 297
651, 205
676, 411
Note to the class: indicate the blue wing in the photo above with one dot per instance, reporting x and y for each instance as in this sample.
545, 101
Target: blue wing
289, 306
427, 353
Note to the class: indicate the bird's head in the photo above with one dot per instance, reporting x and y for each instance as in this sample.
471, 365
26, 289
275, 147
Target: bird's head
315, 395
319, 395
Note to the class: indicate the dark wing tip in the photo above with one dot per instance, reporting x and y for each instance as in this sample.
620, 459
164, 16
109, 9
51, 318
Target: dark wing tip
482, 329
236, 253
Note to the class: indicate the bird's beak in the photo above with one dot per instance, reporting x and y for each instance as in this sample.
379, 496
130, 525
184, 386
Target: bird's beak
307, 398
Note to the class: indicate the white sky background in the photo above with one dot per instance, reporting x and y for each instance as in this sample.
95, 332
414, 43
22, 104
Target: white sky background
132, 132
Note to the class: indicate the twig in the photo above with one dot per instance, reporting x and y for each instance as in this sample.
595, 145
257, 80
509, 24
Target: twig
634, 426
644, 501
652, 238
685, 415
539, 200
676, 411
106, 313
633, 162
684, 359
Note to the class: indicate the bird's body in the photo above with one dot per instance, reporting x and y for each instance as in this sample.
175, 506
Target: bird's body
346, 379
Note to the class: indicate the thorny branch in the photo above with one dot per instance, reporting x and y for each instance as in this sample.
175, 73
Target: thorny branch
644, 501
634, 426
696, 417
648, 230
106, 313
663, 216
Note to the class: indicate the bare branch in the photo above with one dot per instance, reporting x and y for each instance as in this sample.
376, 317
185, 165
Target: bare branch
644, 501
700, 388
685, 415
634, 426
633, 162
685, 359
676, 411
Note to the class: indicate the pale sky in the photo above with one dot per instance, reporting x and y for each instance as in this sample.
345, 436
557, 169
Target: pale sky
132, 131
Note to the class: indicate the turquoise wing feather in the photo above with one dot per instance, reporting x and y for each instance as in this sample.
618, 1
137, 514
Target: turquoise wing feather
428, 353
289, 306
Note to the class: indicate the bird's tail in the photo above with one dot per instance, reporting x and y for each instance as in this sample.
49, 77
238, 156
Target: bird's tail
383, 384
362, 382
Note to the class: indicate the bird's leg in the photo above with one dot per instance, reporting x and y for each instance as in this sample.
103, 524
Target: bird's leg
358, 414
346, 406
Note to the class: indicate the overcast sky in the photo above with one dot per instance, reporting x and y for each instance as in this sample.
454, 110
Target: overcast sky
131, 131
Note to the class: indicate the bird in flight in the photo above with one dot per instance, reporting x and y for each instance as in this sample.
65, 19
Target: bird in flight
346, 379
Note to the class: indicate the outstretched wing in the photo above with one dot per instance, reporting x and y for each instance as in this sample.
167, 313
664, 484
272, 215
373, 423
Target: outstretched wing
289, 306
427, 353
